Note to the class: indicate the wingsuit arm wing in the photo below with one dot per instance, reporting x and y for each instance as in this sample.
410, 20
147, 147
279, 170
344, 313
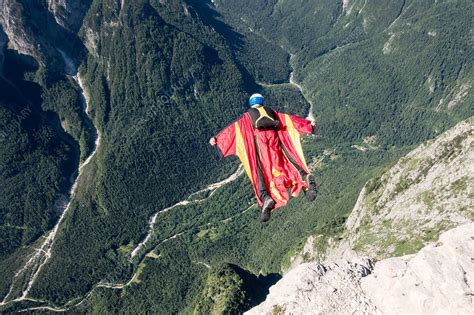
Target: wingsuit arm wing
225, 141
302, 125
238, 139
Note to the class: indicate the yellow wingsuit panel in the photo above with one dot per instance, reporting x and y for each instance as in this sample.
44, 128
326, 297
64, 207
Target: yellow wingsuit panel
295, 138
240, 151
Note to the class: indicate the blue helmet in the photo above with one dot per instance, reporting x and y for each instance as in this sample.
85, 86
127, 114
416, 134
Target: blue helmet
256, 99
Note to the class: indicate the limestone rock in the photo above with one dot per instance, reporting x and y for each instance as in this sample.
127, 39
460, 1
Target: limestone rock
428, 191
69, 13
314, 288
26, 34
36, 30
438, 279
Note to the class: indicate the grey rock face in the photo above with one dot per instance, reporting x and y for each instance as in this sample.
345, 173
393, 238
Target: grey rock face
439, 279
313, 288
427, 192
69, 13
27, 36
37, 29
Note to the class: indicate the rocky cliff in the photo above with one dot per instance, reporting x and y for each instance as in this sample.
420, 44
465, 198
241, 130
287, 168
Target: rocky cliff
428, 191
37, 29
439, 278
25, 37
424, 202
69, 13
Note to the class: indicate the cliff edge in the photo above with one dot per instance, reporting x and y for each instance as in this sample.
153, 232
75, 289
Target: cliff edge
408, 245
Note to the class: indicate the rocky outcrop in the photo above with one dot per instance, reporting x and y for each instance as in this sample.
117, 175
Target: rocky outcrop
25, 34
69, 13
313, 288
439, 279
36, 30
397, 221
229, 289
428, 191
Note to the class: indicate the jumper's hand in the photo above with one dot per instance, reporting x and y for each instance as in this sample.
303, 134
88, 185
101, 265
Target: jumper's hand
212, 141
313, 125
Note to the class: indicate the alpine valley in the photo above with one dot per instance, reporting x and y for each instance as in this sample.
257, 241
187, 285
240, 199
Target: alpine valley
113, 201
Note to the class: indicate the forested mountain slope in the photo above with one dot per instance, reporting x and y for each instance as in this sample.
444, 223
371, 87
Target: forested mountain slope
159, 78
400, 70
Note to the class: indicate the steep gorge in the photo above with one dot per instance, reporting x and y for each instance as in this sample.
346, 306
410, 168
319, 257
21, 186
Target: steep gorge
26, 275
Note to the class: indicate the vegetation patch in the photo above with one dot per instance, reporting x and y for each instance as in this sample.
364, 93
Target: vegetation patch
126, 249
210, 234
373, 184
278, 310
406, 247
427, 198
138, 272
367, 238
230, 289
460, 185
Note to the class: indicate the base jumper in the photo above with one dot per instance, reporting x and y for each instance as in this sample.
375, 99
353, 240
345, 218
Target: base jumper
268, 145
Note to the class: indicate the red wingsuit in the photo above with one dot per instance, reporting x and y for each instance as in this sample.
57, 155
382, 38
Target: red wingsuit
273, 158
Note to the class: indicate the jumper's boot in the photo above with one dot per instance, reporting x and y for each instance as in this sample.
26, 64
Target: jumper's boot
312, 191
266, 211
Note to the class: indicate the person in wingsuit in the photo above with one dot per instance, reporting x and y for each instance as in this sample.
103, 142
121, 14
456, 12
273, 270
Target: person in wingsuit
268, 145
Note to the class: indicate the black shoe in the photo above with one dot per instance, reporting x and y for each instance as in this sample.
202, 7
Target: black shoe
266, 211
312, 191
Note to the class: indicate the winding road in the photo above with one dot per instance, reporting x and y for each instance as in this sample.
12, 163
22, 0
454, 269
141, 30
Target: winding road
121, 286
212, 188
